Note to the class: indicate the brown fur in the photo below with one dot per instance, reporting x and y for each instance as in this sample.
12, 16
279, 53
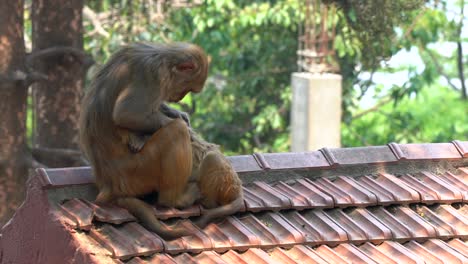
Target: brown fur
219, 185
123, 103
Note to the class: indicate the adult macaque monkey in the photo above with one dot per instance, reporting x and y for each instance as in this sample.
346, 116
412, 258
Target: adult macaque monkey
122, 107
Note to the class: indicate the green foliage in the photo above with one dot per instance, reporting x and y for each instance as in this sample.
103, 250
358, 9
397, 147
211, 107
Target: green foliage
436, 114
245, 106
252, 45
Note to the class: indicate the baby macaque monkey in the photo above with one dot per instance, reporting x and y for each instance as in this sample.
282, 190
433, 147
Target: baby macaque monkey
219, 185
122, 107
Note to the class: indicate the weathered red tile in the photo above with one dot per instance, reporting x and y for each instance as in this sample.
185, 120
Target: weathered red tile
257, 256
458, 182
233, 257
359, 194
144, 241
463, 173
443, 229
330, 255
399, 230
65, 219
426, 193
384, 196
317, 227
119, 245
194, 243
209, 257
447, 192
399, 253
400, 191
375, 231
447, 253
266, 237
433, 151
296, 160
426, 255
280, 256
352, 253
459, 245
375, 254
244, 163
166, 213
260, 196
418, 227
355, 233
304, 195
462, 147
78, 211
340, 198
136, 260
56, 178
283, 231
230, 233
155, 259
185, 258
304, 254
453, 218
328, 154
261, 161
221, 242
110, 213
363, 155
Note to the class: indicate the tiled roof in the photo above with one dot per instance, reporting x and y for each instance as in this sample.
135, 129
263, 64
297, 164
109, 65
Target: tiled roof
385, 204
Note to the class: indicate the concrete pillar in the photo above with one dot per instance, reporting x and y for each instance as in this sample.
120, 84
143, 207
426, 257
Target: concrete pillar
316, 111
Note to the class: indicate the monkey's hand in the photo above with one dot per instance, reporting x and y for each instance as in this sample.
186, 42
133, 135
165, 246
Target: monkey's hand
173, 113
136, 142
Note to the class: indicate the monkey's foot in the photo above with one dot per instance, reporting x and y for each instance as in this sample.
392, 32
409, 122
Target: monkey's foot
136, 142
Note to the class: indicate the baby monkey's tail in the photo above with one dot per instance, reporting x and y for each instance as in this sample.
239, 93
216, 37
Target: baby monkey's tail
145, 213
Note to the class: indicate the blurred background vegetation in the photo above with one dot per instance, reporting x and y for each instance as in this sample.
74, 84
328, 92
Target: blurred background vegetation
417, 96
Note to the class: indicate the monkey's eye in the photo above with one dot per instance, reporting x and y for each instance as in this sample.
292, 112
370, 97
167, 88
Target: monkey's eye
186, 66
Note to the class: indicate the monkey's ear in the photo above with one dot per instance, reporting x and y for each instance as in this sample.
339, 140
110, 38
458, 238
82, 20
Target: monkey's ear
185, 66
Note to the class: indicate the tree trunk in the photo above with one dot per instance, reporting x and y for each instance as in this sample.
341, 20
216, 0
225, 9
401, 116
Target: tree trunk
13, 96
57, 35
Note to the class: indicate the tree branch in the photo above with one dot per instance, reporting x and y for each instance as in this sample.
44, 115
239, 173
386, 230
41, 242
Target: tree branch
439, 67
64, 157
460, 66
372, 109
80, 55
89, 14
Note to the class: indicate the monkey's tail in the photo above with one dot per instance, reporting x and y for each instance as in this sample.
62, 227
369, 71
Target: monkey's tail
224, 210
145, 213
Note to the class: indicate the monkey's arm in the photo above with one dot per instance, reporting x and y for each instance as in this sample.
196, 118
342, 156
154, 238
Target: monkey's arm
173, 113
135, 111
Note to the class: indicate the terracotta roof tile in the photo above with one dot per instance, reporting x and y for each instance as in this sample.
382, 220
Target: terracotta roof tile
323, 213
433, 151
448, 254
244, 163
352, 253
452, 217
261, 196
330, 255
356, 234
462, 147
399, 252
362, 155
425, 254
79, 212
305, 160
303, 194
373, 252
340, 197
375, 231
